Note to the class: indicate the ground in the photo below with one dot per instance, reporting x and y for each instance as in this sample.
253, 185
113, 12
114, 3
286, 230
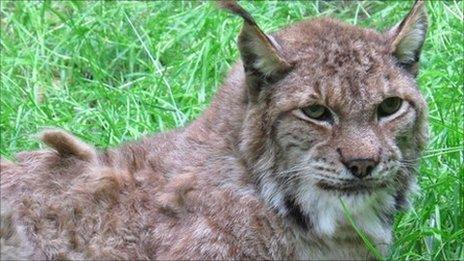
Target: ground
112, 72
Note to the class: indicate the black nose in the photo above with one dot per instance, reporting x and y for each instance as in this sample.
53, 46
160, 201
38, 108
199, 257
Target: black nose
361, 167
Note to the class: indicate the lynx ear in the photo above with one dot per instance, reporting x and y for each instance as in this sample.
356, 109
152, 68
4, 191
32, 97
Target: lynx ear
407, 38
259, 52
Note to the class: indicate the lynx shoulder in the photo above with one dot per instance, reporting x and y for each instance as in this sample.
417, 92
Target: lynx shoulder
317, 122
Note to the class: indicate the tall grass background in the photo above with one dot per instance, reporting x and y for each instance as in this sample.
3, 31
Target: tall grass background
114, 71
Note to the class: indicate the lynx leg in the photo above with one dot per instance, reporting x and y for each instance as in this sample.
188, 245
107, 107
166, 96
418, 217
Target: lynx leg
66, 145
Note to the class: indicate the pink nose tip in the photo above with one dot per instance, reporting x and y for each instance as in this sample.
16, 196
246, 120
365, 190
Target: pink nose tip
361, 167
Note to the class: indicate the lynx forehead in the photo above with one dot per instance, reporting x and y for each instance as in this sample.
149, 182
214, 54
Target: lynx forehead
318, 121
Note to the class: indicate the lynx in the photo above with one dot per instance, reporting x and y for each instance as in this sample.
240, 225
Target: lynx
312, 141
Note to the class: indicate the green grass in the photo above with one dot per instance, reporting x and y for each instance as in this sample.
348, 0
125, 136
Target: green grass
115, 71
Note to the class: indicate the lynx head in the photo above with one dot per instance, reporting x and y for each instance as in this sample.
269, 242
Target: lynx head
333, 109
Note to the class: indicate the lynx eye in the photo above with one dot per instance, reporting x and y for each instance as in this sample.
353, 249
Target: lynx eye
389, 106
317, 112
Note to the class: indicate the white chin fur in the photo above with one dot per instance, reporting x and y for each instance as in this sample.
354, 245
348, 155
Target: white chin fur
327, 215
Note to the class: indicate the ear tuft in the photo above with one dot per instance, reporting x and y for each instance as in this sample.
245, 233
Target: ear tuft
235, 8
408, 37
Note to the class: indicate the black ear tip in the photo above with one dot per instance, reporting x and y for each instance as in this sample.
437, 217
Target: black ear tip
226, 4
233, 7
419, 5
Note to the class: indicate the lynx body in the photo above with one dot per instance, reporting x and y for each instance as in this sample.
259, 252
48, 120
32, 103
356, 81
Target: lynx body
317, 116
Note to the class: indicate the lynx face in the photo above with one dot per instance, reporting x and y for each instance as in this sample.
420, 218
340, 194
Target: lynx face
350, 129
334, 112
347, 115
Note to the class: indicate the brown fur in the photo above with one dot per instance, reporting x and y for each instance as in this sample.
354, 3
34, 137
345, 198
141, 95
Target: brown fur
251, 178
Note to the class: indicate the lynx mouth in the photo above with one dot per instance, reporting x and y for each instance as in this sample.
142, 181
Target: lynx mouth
357, 186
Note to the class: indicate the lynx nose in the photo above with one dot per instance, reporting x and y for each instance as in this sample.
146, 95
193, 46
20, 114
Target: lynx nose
361, 167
